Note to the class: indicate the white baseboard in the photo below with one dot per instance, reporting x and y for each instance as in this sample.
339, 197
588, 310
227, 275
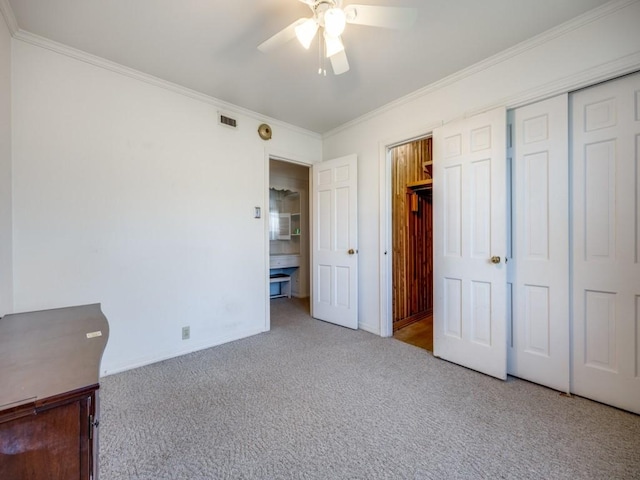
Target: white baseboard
371, 328
143, 361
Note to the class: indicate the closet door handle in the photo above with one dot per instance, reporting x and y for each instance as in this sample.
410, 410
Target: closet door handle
351, 251
495, 260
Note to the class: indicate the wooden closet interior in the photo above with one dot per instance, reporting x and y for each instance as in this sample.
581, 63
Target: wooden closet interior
412, 212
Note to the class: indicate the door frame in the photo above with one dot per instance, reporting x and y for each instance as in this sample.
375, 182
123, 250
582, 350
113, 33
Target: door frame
282, 157
385, 219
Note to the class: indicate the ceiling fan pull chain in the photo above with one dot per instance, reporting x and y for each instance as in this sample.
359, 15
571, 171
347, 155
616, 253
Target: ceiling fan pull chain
321, 68
323, 56
319, 57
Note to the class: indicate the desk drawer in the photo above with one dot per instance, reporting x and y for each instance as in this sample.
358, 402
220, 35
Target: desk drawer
284, 261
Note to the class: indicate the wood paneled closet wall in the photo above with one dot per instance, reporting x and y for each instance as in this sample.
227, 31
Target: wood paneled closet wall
412, 232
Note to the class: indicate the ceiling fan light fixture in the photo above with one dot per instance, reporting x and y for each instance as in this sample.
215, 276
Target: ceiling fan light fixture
306, 31
334, 21
333, 44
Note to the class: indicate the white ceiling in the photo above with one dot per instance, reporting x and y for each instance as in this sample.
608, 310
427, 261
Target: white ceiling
210, 46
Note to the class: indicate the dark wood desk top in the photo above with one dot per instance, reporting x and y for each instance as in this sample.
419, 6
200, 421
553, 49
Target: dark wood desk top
49, 352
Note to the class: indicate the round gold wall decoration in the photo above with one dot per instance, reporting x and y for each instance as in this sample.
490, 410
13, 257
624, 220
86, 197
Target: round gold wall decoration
264, 131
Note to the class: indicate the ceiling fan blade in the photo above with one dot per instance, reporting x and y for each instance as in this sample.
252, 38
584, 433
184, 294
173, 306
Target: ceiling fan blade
282, 37
332, 45
386, 17
339, 63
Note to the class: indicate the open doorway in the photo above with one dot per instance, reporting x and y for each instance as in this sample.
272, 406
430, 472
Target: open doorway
412, 242
289, 246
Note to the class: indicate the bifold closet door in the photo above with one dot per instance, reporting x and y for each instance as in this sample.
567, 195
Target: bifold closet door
606, 242
539, 266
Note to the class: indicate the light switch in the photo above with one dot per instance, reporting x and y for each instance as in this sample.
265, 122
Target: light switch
257, 213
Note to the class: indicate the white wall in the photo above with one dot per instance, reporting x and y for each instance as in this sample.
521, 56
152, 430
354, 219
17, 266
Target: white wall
6, 268
132, 195
602, 44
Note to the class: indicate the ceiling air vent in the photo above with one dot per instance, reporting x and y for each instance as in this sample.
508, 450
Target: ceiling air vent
226, 120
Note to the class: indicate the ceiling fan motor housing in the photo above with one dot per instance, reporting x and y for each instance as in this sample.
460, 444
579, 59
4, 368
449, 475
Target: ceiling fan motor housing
320, 7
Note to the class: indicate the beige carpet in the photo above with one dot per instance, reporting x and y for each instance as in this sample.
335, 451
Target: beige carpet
310, 400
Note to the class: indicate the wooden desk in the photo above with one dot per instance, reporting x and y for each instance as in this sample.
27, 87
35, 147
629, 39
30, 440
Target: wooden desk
49, 411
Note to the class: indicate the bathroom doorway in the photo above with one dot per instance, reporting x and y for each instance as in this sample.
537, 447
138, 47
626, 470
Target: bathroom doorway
289, 246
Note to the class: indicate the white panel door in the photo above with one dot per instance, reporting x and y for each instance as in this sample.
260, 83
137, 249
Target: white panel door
606, 242
539, 265
335, 241
469, 200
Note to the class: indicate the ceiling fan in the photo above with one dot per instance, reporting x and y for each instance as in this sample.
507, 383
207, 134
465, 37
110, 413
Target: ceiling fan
330, 15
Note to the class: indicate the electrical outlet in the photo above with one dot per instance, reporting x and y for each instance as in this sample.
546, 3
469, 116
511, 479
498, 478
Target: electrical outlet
186, 333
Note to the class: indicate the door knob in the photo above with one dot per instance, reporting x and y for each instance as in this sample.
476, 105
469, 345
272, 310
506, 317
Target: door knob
351, 251
495, 259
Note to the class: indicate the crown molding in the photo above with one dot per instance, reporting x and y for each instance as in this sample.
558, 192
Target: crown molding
100, 62
9, 17
571, 83
585, 78
534, 42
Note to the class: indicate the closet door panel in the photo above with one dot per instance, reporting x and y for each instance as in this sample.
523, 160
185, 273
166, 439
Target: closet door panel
539, 266
536, 206
599, 187
606, 276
